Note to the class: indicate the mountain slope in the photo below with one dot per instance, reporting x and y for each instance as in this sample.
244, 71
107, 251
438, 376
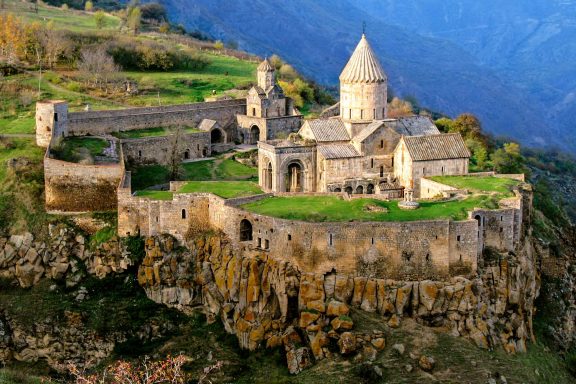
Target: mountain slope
318, 40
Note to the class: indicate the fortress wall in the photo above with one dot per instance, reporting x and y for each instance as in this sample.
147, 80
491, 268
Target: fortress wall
499, 228
73, 187
270, 128
158, 150
102, 122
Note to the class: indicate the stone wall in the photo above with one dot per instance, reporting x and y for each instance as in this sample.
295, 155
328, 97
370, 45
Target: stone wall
74, 187
159, 150
269, 127
430, 189
102, 122
51, 121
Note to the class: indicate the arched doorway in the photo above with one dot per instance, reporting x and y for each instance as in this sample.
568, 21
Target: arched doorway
359, 190
348, 190
338, 190
370, 189
216, 136
187, 154
241, 138
254, 134
245, 230
295, 177
204, 152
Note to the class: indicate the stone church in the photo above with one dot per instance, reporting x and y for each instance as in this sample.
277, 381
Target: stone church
359, 151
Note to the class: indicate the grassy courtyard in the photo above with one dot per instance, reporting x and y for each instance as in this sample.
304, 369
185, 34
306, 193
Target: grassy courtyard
335, 209
479, 184
225, 189
80, 149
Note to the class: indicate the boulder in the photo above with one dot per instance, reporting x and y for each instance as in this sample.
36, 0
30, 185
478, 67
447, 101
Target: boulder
337, 308
347, 343
426, 363
342, 323
298, 360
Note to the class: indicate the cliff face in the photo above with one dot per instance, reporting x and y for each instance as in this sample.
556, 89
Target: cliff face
266, 302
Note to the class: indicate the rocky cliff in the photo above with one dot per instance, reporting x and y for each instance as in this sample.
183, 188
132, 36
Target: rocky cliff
269, 303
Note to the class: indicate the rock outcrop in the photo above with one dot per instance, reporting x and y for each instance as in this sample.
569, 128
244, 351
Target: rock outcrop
65, 255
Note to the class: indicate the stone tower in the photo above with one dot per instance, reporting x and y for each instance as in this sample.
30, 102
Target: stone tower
51, 121
266, 75
363, 86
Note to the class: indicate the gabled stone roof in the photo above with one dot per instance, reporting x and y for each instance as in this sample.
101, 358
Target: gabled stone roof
265, 66
369, 130
436, 147
207, 124
338, 151
328, 130
413, 126
363, 66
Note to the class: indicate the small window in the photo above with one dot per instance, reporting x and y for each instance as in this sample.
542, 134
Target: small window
374, 113
139, 153
381, 143
361, 114
371, 163
266, 244
392, 162
253, 111
259, 242
458, 238
442, 170
349, 113
183, 213
501, 218
383, 112
55, 116
460, 258
330, 240
289, 237
427, 257
381, 171
156, 218
501, 229
372, 241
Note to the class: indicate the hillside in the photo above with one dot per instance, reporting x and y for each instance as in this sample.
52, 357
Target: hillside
443, 74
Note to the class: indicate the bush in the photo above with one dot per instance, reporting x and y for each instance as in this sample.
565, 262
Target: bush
74, 86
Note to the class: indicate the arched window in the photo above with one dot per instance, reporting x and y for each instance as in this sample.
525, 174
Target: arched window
183, 213
370, 189
245, 230
359, 190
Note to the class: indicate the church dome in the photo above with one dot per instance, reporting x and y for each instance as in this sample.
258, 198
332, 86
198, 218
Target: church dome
363, 66
265, 66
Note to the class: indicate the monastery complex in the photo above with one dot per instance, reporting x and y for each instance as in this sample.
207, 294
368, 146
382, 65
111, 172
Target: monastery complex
356, 153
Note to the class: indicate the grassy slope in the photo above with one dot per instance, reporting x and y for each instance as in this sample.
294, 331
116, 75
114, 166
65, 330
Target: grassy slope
332, 208
225, 189
20, 148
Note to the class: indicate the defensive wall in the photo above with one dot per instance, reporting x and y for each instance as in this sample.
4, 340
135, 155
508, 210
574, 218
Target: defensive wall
417, 249
76, 187
160, 149
53, 118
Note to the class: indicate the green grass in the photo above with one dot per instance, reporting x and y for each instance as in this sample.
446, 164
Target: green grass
149, 175
479, 183
155, 195
18, 148
226, 169
75, 149
150, 132
334, 209
73, 20
225, 189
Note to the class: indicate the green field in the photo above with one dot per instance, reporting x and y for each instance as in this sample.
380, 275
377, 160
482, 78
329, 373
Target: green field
151, 132
479, 183
225, 189
16, 148
155, 195
335, 209
71, 19
217, 170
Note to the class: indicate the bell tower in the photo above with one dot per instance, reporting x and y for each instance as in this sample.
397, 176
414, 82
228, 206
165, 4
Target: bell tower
266, 75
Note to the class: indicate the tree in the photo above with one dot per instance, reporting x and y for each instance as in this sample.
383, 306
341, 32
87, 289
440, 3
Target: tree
276, 61
97, 67
287, 72
218, 45
508, 159
89, 6
54, 44
134, 19
164, 28
398, 108
154, 11
100, 19
64, 7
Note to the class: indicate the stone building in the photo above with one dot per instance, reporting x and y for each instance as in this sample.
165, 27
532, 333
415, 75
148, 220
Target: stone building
358, 151
269, 113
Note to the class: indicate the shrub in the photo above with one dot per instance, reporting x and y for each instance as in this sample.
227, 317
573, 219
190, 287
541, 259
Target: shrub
89, 6
74, 86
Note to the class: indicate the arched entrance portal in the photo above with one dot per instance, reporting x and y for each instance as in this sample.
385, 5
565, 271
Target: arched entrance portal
295, 178
359, 190
254, 134
245, 230
348, 190
370, 189
216, 136
187, 154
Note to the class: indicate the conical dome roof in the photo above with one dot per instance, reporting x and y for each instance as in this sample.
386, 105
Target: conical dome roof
363, 66
265, 66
